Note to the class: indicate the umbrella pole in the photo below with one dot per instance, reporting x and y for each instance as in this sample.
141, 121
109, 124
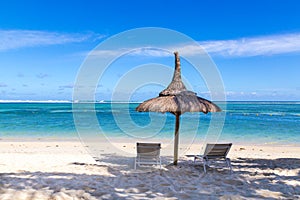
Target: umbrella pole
176, 139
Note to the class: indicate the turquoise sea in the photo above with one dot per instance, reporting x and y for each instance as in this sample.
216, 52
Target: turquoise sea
245, 122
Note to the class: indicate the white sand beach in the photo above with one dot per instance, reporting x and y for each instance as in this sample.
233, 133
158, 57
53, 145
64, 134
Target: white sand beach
59, 170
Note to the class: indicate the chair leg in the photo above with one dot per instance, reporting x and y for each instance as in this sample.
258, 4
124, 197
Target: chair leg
159, 162
204, 165
135, 163
229, 164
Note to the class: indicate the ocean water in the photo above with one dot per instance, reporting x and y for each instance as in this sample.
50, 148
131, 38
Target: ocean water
245, 122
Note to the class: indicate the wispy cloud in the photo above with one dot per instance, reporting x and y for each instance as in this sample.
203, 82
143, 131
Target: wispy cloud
14, 39
143, 51
152, 52
247, 47
281, 94
242, 47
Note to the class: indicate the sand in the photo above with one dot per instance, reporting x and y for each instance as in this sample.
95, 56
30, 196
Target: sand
56, 169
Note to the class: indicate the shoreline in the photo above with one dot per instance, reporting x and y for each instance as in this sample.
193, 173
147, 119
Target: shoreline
128, 149
113, 139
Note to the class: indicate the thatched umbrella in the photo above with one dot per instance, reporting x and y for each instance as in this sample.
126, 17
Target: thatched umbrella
177, 100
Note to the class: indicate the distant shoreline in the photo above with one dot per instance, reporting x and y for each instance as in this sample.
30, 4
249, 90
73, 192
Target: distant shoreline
134, 102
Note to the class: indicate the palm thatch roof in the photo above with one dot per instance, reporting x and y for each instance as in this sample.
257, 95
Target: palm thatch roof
177, 99
178, 104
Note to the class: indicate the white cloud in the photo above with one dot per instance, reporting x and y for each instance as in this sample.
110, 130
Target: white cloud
264, 95
152, 52
243, 47
144, 51
100, 53
254, 46
14, 39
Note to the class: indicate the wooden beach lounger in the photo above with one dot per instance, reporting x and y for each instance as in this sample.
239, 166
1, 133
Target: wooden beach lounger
215, 154
148, 154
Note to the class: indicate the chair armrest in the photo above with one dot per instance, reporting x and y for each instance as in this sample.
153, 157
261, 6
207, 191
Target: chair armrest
190, 156
195, 156
199, 157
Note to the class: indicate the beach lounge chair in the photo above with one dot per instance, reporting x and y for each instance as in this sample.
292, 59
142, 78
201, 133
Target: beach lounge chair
147, 154
215, 154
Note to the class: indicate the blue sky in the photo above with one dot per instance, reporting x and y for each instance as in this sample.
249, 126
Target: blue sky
254, 44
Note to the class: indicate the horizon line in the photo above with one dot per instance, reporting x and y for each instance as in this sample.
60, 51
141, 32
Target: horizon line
109, 101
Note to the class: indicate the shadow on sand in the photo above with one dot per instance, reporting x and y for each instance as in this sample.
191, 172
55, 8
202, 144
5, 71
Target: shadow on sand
252, 178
